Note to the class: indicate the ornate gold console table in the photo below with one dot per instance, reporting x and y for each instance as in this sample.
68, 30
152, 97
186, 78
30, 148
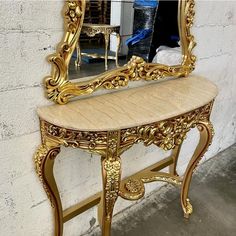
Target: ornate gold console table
91, 30
160, 114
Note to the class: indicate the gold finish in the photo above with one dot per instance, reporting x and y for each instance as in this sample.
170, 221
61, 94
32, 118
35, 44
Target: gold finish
60, 90
81, 207
175, 156
44, 161
73, 13
206, 134
111, 170
91, 30
167, 134
96, 199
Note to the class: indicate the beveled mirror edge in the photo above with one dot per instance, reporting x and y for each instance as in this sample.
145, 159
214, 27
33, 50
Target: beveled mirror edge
60, 90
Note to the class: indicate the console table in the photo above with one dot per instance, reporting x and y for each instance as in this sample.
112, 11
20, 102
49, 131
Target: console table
159, 113
91, 30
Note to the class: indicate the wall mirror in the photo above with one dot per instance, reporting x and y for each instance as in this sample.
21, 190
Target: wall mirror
107, 44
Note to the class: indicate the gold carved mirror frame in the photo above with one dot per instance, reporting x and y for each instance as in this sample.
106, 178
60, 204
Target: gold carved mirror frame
60, 89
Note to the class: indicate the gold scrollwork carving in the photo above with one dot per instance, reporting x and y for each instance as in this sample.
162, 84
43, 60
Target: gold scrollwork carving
169, 179
60, 90
166, 134
55, 83
134, 189
92, 141
40, 156
112, 169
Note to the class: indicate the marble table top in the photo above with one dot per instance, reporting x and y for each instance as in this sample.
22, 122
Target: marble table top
132, 107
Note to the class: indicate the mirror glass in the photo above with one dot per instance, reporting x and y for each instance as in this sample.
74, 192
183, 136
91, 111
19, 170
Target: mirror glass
115, 30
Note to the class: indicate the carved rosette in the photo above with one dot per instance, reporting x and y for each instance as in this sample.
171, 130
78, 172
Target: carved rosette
134, 186
134, 189
169, 179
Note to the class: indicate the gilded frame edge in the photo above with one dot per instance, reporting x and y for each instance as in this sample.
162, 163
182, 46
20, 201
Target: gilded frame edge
60, 90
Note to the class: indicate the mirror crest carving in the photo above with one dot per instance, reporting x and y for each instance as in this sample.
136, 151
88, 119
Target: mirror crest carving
60, 89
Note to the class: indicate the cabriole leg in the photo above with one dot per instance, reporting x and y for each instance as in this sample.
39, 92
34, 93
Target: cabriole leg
111, 172
117, 49
206, 134
78, 54
44, 161
107, 38
175, 156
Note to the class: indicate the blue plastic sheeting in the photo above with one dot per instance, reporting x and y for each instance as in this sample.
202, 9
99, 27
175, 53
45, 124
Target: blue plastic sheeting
142, 34
146, 3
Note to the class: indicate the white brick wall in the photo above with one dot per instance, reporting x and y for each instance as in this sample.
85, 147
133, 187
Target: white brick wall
29, 31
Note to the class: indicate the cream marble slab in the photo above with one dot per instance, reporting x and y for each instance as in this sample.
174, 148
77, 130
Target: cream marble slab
133, 107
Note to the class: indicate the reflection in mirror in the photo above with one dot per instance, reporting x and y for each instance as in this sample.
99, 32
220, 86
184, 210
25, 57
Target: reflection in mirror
115, 30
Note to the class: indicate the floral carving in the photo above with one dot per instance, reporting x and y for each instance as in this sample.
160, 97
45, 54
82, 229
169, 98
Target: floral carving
74, 138
111, 171
166, 134
73, 12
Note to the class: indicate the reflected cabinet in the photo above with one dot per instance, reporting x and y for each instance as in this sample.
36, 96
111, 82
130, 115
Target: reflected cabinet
154, 100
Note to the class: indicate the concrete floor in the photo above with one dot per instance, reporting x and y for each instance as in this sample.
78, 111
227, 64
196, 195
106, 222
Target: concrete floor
213, 196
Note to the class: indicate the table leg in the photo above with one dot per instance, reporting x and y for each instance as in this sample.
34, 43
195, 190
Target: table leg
175, 157
111, 171
206, 134
117, 49
44, 162
107, 38
78, 54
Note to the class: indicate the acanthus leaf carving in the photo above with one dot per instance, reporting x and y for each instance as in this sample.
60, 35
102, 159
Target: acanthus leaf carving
166, 134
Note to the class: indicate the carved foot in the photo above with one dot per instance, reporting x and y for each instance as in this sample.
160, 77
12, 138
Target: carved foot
206, 134
188, 209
